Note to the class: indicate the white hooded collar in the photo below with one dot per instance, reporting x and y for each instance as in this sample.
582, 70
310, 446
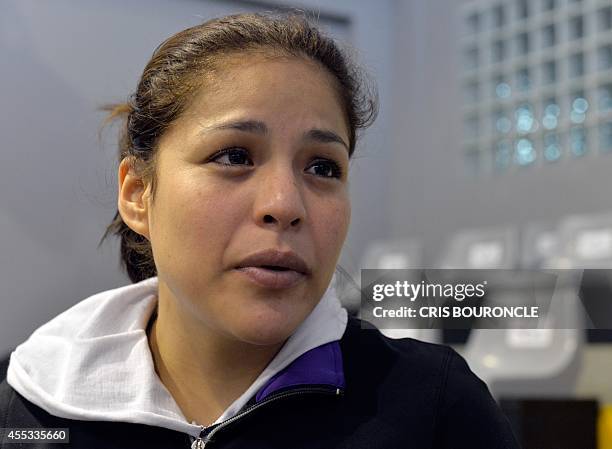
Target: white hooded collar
93, 361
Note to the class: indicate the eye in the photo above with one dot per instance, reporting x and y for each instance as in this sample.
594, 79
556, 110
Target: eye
325, 168
232, 157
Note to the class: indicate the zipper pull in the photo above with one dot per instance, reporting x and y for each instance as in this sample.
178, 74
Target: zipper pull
198, 443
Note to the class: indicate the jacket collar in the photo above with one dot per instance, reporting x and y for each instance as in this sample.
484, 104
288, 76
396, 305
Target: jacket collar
319, 366
84, 363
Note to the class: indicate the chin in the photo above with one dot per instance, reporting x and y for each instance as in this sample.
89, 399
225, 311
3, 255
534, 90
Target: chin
267, 320
266, 330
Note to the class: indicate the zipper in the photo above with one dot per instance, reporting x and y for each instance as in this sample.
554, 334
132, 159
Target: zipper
207, 433
198, 443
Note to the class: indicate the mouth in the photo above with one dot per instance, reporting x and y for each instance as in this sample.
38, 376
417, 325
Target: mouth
272, 278
274, 269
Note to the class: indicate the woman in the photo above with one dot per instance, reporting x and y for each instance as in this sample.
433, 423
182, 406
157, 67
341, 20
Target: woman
232, 210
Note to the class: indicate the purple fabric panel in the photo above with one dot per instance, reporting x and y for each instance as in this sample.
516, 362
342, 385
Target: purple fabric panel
319, 366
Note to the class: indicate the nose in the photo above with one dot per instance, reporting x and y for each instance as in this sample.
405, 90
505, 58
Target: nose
279, 200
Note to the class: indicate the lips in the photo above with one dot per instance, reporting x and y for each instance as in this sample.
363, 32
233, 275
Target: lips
274, 259
274, 269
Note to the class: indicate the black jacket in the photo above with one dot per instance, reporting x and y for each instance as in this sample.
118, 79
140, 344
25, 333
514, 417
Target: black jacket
399, 394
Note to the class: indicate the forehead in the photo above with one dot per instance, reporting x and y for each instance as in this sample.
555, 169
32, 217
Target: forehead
281, 90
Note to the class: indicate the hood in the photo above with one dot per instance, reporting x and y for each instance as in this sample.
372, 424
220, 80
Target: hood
93, 362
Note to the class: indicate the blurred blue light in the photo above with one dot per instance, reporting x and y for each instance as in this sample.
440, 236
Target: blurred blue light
502, 90
549, 121
525, 153
524, 119
552, 148
580, 105
552, 109
577, 117
503, 125
552, 153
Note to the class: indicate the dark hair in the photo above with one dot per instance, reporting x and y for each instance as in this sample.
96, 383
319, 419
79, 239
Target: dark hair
175, 72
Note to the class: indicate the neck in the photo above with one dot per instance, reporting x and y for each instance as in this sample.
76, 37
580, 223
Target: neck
203, 370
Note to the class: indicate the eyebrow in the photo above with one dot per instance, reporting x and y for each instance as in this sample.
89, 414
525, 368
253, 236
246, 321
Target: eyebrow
258, 127
325, 136
249, 126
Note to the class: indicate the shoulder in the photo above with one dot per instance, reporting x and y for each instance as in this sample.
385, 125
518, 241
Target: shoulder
468, 415
6, 398
15, 411
363, 341
427, 383
408, 375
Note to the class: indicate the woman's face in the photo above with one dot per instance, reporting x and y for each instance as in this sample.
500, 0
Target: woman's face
258, 162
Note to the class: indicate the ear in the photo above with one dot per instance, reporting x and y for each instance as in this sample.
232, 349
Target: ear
133, 196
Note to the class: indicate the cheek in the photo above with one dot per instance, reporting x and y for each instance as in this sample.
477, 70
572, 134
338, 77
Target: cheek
195, 219
331, 227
